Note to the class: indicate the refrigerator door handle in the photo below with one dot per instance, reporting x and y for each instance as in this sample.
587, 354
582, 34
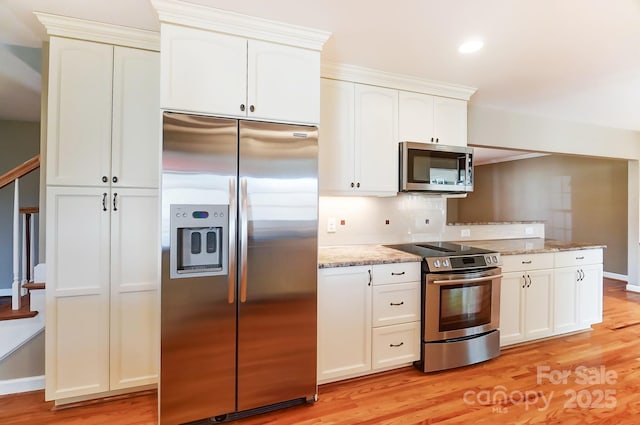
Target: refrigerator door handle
243, 239
232, 240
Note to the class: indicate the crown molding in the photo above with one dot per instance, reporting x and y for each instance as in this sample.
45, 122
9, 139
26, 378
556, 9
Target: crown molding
375, 77
207, 18
64, 26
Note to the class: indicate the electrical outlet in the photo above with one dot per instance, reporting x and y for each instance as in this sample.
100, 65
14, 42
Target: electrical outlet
465, 233
331, 225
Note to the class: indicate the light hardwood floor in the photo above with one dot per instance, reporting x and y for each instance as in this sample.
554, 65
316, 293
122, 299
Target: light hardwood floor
538, 383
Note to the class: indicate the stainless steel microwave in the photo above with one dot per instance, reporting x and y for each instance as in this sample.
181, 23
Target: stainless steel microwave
428, 167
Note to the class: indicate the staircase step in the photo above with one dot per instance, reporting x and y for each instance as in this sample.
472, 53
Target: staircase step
34, 285
6, 313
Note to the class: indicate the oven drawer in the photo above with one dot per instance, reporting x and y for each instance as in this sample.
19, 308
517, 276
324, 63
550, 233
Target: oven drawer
523, 262
396, 303
396, 273
394, 345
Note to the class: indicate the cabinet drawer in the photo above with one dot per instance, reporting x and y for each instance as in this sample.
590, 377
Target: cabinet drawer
578, 257
511, 263
396, 273
396, 303
397, 344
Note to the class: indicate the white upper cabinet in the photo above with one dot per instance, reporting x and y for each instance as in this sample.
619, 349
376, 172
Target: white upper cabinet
203, 71
283, 83
376, 139
79, 109
426, 118
358, 139
103, 126
211, 72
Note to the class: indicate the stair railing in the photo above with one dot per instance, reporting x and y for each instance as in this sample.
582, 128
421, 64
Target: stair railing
7, 178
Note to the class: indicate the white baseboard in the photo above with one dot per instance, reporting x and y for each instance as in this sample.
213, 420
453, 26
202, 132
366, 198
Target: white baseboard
616, 276
5, 292
633, 288
21, 385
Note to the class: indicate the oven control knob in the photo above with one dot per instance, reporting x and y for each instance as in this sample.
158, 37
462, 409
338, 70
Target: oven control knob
488, 259
436, 263
445, 263
495, 259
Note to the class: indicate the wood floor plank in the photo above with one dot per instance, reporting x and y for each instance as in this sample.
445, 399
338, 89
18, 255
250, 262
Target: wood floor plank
506, 390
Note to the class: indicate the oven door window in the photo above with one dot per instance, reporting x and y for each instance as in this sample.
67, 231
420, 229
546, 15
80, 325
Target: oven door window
464, 306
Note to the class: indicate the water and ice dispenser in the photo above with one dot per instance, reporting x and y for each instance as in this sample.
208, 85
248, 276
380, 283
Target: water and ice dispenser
199, 240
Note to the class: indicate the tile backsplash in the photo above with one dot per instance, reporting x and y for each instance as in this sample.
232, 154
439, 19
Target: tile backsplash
405, 218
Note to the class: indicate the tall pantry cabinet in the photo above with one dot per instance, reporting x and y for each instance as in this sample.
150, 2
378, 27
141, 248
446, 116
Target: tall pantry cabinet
102, 210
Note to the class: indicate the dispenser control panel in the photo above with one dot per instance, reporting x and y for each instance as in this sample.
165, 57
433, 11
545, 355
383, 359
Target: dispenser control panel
199, 240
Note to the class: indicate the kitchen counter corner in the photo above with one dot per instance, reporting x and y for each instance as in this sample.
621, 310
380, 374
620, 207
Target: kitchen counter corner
361, 255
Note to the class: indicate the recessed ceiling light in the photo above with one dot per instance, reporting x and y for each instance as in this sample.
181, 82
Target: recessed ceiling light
471, 46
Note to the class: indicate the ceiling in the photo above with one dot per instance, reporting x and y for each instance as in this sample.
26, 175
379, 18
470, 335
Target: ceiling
576, 60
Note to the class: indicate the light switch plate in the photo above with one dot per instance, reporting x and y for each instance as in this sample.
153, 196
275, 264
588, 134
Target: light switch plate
331, 225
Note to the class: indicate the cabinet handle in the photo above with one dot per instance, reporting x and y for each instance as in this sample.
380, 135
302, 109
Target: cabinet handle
432, 140
397, 304
397, 274
352, 184
396, 345
526, 262
580, 258
524, 280
437, 140
358, 184
115, 197
529, 284
242, 107
114, 179
104, 202
370, 278
252, 108
105, 179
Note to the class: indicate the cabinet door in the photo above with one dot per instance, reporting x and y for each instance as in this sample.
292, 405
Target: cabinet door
202, 71
79, 112
538, 310
135, 279
77, 320
335, 145
376, 140
136, 119
344, 322
415, 112
283, 83
450, 121
565, 295
511, 308
590, 295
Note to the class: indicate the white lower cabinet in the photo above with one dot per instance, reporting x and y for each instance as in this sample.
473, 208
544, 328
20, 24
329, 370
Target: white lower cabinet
102, 282
551, 294
368, 319
344, 322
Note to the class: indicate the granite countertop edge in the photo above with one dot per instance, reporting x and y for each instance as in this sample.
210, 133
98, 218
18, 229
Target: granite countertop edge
368, 255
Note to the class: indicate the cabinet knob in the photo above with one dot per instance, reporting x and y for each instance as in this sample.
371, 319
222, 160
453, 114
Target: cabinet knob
252, 108
242, 107
114, 179
105, 179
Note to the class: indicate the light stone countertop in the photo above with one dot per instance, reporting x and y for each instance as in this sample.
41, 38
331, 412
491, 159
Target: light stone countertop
364, 255
361, 255
530, 246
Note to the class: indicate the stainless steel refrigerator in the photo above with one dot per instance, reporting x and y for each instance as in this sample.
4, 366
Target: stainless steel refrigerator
239, 267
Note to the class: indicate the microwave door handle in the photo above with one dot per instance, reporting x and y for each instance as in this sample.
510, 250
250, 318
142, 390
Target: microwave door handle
470, 280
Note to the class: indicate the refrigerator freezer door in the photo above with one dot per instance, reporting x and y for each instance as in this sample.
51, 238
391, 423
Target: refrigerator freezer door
277, 313
198, 314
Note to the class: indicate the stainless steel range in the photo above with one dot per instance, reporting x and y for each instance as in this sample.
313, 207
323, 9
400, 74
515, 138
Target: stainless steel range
460, 304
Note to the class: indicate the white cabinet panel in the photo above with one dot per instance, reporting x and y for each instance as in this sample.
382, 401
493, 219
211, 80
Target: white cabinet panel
79, 112
376, 139
511, 263
336, 152
136, 135
590, 294
396, 273
344, 322
203, 71
511, 308
565, 293
396, 345
538, 310
578, 257
283, 83
415, 111
396, 303
450, 118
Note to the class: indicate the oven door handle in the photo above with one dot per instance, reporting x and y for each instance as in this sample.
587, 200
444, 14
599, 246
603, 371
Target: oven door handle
470, 280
